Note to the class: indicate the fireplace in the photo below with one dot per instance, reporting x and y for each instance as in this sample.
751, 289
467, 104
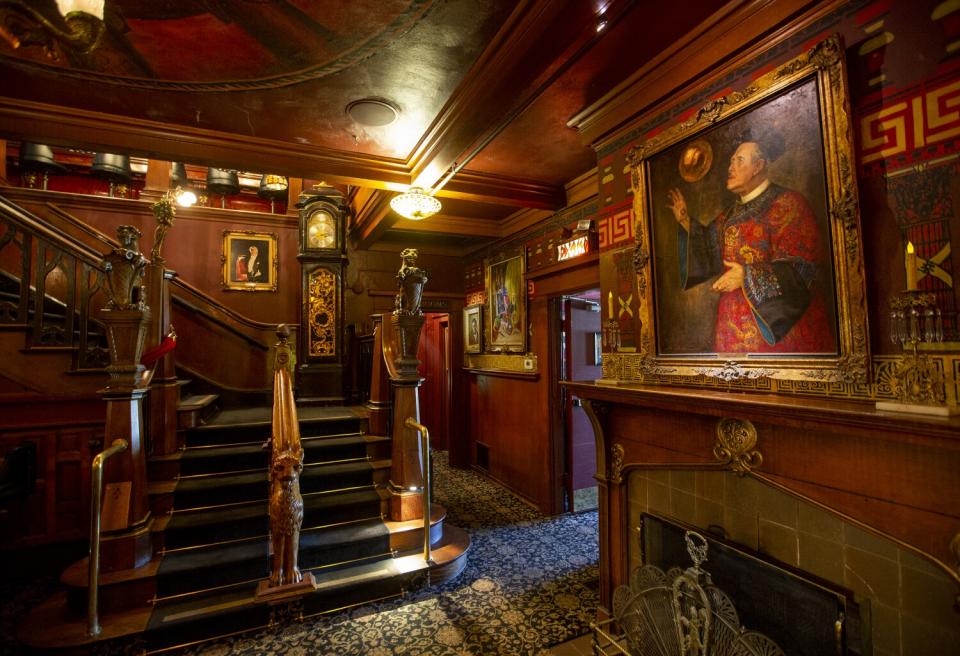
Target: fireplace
859, 505
803, 614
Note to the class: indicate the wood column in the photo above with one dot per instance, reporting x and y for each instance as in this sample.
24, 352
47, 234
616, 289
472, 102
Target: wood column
406, 469
379, 405
125, 516
164, 391
157, 181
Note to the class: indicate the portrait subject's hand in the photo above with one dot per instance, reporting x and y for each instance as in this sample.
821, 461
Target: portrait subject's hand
678, 205
731, 280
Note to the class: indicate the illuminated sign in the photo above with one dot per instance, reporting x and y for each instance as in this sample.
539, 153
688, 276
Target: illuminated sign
571, 249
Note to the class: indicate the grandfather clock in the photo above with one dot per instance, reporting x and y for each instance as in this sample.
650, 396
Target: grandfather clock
322, 262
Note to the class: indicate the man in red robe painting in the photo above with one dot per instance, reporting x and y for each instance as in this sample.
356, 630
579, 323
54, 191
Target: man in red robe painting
767, 251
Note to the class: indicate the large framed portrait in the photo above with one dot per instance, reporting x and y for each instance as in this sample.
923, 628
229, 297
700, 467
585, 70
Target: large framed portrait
748, 256
473, 329
506, 306
249, 261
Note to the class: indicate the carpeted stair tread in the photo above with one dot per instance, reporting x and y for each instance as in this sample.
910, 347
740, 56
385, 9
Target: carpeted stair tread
251, 519
223, 612
253, 485
251, 424
337, 538
253, 455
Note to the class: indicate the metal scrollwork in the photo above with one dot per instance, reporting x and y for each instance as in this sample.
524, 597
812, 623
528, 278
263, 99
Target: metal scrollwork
682, 613
322, 312
736, 439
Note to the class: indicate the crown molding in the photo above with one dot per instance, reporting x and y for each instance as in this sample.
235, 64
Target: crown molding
698, 56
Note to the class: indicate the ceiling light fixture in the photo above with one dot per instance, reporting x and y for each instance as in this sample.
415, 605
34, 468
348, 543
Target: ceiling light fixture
373, 112
415, 205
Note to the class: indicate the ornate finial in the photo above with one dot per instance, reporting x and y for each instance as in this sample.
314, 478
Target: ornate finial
124, 267
410, 280
735, 441
285, 357
164, 211
697, 548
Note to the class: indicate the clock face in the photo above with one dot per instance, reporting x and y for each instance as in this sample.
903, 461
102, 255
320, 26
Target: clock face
321, 230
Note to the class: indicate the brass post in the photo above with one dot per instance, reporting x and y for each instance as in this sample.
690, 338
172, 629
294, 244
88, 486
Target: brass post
93, 623
425, 490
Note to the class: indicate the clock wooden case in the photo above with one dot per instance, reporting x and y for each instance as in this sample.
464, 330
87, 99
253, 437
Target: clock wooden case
322, 263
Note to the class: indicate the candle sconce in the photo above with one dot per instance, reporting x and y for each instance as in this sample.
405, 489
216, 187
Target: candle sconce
917, 382
611, 335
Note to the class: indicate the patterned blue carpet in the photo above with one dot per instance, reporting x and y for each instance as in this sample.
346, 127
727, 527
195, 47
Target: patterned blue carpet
530, 582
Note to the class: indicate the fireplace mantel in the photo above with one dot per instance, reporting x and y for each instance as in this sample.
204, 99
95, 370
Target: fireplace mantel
896, 475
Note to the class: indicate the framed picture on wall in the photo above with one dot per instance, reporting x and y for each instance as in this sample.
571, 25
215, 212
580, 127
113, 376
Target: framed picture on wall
748, 244
473, 329
249, 261
506, 306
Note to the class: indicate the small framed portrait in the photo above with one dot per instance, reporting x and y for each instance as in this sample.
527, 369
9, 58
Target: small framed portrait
249, 261
473, 329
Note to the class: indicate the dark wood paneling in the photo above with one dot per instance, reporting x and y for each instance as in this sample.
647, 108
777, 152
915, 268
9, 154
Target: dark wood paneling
193, 246
510, 415
67, 433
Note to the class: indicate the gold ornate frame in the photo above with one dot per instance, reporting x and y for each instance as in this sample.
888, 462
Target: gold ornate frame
236, 240
516, 343
824, 64
473, 312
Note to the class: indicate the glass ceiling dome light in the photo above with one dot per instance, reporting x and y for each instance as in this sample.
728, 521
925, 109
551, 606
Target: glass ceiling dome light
415, 205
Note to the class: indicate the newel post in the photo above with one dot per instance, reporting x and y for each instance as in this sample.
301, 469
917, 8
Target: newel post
125, 515
406, 471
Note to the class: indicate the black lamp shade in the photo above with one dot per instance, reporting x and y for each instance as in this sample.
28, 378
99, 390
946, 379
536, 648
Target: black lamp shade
178, 175
112, 167
38, 157
223, 181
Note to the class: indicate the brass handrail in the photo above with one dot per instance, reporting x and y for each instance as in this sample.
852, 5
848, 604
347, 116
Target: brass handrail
425, 490
96, 495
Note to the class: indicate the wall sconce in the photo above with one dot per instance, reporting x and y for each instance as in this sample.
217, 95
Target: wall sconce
273, 187
917, 381
115, 169
182, 193
225, 182
38, 159
415, 205
33, 24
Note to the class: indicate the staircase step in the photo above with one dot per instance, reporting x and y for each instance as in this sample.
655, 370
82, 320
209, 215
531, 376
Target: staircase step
178, 622
247, 520
254, 424
253, 455
184, 572
254, 486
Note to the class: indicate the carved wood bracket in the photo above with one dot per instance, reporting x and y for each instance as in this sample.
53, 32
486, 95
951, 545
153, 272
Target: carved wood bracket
736, 439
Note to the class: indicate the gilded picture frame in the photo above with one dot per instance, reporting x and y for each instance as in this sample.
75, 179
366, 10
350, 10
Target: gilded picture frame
748, 257
473, 329
506, 306
249, 261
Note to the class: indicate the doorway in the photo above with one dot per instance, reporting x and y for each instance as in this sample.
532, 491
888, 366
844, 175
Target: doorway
579, 360
436, 370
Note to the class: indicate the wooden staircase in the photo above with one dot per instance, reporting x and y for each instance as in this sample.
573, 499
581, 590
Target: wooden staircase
208, 501
211, 536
